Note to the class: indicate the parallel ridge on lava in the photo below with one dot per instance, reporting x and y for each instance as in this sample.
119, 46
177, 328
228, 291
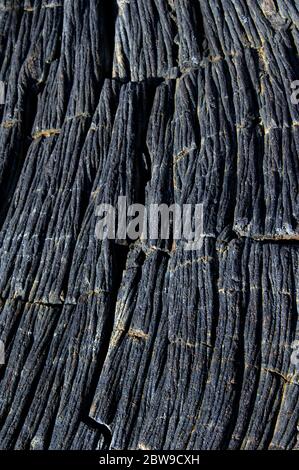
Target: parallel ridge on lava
147, 345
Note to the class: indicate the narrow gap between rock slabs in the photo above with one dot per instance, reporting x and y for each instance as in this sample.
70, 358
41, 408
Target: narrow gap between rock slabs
120, 254
103, 427
103, 430
198, 20
148, 360
110, 11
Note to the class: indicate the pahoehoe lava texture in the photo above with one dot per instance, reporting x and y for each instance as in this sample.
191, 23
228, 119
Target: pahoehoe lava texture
147, 345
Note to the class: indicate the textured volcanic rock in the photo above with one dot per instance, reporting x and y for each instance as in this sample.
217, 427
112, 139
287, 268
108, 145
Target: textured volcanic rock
144, 345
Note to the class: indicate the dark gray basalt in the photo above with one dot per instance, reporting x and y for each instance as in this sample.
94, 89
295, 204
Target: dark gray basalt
144, 345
